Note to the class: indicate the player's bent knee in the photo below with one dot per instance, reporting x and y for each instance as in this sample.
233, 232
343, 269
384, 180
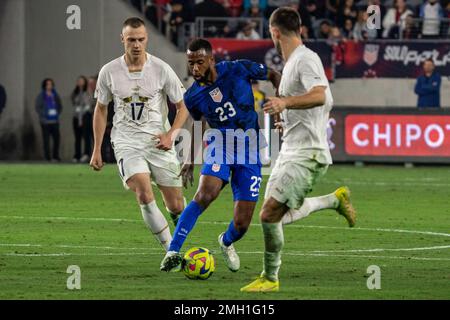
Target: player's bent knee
270, 213
176, 206
144, 197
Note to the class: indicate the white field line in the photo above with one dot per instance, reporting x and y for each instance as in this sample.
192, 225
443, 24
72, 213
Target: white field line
227, 223
63, 254
346, 228
68, 246
385, 249
387, 183
310, 253
32, 245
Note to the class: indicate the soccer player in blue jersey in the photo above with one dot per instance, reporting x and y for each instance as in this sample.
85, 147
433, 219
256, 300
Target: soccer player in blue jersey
222, 95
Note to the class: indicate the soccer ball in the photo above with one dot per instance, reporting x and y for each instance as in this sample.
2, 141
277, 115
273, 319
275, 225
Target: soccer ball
198, 263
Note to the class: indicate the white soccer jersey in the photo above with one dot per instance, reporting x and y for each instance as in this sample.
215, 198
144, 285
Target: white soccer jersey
140, 100
305, 131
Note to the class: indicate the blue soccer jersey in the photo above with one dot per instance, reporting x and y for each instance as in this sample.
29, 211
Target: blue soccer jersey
228, 106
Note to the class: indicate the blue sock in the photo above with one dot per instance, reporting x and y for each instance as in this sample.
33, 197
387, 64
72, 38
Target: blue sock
232, 235
185, 224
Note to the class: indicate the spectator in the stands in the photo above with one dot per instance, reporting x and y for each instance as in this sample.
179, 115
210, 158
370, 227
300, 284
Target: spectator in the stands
446, 27
2, 98
428, 87
394, 20
48, 106
382, 13
305, 33
212, 8
316, 8
431, 12
230, 30
256, 10
249, 4
303, 12
178, 16
411, 30
332, 7
155, 10
347, 30
81, 104
360, 30
233, 7
335, 36
248, 32
253, 12
346, 10
324, 30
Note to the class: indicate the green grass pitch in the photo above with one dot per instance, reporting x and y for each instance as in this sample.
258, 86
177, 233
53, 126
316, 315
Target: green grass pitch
53, 216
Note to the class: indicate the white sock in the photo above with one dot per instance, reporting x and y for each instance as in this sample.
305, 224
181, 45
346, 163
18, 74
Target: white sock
310, 205
157, 223
274, 241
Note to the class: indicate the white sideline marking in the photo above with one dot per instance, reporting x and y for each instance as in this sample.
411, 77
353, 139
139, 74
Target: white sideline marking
70, 218
311, 253
227, 223
71, 246
406, 183
62, 254
387, 249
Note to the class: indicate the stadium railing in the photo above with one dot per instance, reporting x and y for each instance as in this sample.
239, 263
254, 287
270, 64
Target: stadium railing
413, 28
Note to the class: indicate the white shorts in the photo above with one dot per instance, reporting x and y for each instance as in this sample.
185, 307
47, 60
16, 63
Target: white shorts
291, 180
163, 166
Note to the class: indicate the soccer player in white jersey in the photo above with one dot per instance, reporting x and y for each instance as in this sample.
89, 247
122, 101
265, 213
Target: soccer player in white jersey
141, 137
304, 104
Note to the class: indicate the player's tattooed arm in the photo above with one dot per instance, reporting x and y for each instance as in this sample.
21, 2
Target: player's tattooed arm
166, 139
99, 126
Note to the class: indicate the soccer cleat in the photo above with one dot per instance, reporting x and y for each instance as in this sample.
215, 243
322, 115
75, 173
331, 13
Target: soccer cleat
345, 207
262, 284
171, 262
229, 253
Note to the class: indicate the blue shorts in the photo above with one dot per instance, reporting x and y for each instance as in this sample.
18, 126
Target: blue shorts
245, 178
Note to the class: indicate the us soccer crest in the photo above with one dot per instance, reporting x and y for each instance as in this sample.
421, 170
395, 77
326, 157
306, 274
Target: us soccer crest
216, 95
371, 53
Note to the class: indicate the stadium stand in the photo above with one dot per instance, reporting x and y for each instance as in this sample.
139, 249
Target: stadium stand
410, 19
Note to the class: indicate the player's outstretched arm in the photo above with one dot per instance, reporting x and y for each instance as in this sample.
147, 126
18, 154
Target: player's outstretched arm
99, 126
166, 139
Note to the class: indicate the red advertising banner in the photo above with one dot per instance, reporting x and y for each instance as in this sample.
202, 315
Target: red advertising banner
397, 135
263, 51
391, 58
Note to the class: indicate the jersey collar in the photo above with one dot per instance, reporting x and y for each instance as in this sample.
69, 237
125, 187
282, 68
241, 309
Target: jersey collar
135, 75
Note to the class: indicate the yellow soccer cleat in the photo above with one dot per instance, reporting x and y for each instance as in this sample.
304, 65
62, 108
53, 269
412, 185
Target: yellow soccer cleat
262, 284
345, 207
